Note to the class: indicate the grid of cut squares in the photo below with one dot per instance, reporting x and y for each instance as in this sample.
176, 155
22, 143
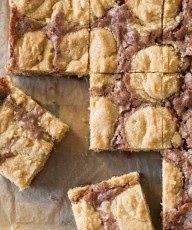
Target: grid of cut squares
140, 63
27, 133
138, 109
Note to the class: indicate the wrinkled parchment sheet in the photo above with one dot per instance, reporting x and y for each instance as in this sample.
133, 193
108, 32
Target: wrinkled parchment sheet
45, 204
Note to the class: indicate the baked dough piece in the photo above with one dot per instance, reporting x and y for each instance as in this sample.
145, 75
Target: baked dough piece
163, 59
118, 203
35, 9
27, 133
177, 198
75, 11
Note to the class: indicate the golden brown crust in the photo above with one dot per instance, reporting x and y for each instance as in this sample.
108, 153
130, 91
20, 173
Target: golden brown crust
103, 115
170, 12
73, 55
36, 9
34, 51
147, 14
143, 128
172, 183
103, 51
171, 136
163, 59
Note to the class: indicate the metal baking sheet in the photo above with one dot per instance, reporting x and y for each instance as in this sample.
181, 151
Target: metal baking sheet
45, 204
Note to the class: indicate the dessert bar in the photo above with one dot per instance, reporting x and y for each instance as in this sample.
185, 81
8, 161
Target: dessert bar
177, 196
54, 42
127, 111
117, 203
119, 30
27, 133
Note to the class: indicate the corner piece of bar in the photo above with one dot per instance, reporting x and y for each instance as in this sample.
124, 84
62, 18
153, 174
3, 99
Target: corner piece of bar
118, 203
49, 37
27, 133
177, 184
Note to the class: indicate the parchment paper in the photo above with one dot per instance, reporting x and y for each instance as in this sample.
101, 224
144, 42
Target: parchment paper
45, 204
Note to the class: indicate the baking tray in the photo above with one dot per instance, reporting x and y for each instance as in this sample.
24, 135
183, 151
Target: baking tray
45, 204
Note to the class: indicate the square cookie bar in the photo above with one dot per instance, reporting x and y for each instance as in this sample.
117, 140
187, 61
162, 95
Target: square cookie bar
127, 111
27, 133
179, 110
55, 46
118, 203
120, 30
177, 196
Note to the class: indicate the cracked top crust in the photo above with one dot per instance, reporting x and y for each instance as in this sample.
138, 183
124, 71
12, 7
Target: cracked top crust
27, 133
103, 51
143, 129
72, 52
35, 9
34, 51
144, 15
161, 59
113, 204
75, 11
102, 118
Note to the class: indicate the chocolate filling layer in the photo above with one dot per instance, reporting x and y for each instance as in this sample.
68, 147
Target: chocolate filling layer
57, 28
129, 40
4, 156
19, 25
29, 120
180, 219
96, 194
